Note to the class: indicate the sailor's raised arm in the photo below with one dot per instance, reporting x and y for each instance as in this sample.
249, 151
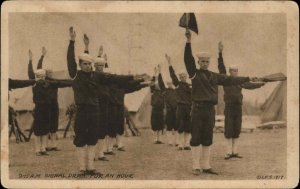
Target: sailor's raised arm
71, 62
40, 62
189, 60
30, 71
161, 83
86, 42
221, 65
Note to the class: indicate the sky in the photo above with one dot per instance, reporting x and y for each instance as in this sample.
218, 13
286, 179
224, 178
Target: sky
256, 43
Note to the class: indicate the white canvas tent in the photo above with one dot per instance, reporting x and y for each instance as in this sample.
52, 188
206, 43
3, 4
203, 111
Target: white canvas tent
139, 107
274, 108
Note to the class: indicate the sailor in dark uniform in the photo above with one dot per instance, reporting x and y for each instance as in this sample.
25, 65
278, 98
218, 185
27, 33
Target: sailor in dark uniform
233, 98
184, 102
170, 98
157, 112
204, 96
85, 86
44, 100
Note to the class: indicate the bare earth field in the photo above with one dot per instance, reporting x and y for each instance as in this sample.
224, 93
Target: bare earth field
264, 154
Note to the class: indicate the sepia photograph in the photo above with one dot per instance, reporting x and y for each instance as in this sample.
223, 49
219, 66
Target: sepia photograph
138, 94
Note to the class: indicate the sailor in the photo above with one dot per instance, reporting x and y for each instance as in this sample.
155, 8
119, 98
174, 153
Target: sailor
170, 98
85, 86
184, 101
43, 102
204, 96
157, 112
233, 99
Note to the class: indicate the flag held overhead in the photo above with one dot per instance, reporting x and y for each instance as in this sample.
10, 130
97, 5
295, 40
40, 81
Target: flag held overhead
188, 21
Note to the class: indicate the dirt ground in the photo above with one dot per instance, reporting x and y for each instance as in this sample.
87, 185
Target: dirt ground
264, 154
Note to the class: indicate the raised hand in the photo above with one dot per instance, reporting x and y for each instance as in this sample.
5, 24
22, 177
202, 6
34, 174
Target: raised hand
220, 47
168, 59
100, 52
30, 54
86, 40
158, 68
44, 51
72, 33
155, 71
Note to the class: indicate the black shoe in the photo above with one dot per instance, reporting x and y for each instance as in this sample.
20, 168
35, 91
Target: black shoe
160, 142
38, 153
210, 171
110, 153
103, 158
44, 153
236, 156
115, 146
55, 149
156, 142
82, 172
228, 156
196, 172
93, 172
122, 149
48, 149
180, 148
187, 148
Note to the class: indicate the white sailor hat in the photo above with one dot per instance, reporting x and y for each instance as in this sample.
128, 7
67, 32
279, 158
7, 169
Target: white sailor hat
101, 62
40, 72
86, 57
203, 55
233, 67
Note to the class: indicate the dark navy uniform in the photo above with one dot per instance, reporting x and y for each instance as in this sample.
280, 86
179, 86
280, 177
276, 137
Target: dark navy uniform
85, 87
184, 102
46, 104
233, 99
170, 98
157, 112
51, 93
116, 105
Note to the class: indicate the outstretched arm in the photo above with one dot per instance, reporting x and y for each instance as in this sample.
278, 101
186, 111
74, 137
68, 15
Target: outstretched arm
229, 80
72, 66
249, 85
14, 84
30, 67
221, 65
135, 85
189, 60
60, 83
